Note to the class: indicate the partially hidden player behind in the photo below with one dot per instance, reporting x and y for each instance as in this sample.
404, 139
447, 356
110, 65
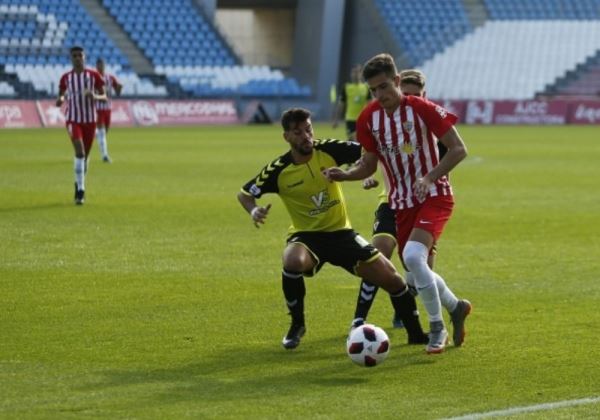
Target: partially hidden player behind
412, 83
104, 108
320, 230
401, 133
81, 87
353, 96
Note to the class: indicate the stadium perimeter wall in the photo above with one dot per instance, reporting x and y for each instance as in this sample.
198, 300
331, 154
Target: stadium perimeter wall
43, 113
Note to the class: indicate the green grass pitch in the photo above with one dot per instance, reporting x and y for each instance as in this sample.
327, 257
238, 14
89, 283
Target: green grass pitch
159, 299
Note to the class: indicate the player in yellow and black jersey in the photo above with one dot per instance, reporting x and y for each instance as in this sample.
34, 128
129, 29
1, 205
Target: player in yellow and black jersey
320, 230
313, 203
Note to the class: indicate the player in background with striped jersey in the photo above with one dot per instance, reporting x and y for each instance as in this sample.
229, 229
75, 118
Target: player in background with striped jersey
401, 133
81, 88
104, 108
412, 82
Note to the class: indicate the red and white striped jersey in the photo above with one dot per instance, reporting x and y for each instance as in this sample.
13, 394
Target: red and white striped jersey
80, 108
110, 81
406, 145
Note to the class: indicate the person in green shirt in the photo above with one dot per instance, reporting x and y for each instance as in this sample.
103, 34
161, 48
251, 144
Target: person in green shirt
353, 96
320, 231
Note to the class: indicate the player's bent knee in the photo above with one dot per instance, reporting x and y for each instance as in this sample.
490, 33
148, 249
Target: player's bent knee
298, 263
414, 254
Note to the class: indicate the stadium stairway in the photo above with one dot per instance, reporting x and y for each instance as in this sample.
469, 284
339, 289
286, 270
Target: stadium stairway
139, 63
372, 13
583, 80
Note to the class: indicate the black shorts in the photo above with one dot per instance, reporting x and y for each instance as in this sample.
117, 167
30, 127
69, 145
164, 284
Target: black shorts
385, 221
344, 248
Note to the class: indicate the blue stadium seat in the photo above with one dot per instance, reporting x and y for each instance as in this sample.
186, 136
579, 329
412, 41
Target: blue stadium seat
438, 22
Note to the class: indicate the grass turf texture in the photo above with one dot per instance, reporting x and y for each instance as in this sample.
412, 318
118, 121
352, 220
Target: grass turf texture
159, 298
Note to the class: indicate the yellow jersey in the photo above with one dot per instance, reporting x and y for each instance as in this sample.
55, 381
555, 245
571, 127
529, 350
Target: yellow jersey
313, 203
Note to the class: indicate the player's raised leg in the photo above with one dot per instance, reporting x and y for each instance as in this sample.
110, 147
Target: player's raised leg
382, 273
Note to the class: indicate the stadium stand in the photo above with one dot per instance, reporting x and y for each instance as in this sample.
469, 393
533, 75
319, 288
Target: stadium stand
35, 38
511, 59
425, 28
183, 46
525, 49
171, 32
188, 50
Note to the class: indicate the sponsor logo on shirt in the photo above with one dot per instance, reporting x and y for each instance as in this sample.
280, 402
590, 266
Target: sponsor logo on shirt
322, 203
406, 148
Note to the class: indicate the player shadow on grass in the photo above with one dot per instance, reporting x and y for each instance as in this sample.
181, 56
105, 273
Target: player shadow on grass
255, 371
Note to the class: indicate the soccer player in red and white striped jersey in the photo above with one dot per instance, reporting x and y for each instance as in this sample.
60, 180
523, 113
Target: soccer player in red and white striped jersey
401, 132
81, 88
104, 108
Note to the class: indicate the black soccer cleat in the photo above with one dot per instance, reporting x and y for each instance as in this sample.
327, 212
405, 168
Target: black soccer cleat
292, 339
79, 196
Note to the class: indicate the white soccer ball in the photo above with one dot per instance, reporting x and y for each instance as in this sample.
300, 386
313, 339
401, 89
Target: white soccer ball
368, 345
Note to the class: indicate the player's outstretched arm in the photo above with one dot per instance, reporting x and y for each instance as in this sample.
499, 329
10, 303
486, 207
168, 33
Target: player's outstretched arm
365, 167
257, 213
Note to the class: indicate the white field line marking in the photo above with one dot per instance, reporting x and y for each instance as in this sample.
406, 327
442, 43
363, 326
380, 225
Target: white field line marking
528, 409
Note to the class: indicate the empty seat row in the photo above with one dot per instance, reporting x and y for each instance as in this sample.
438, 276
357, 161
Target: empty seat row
232, 80
45, 79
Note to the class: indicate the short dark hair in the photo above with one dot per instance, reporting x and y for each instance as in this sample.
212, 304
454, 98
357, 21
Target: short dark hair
76, 48
293, 116
100, 60
381, 63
